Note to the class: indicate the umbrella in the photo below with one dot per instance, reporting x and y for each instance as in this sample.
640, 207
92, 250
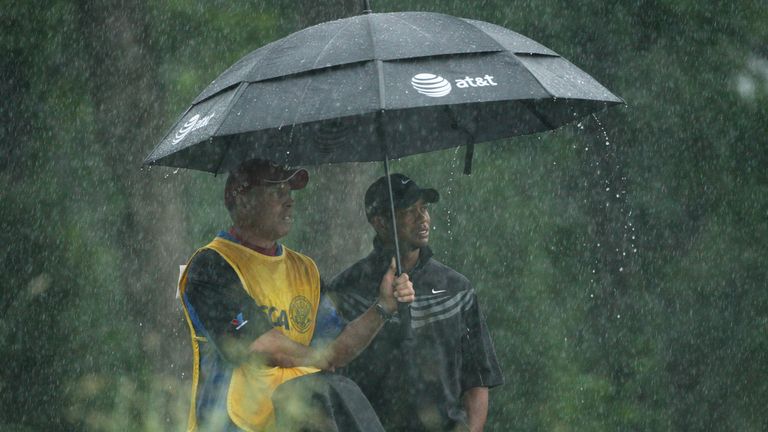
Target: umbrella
379, 86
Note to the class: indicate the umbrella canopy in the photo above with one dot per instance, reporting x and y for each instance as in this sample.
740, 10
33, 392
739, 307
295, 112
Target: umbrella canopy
379, 86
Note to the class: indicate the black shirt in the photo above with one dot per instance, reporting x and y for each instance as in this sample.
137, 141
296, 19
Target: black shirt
419, 387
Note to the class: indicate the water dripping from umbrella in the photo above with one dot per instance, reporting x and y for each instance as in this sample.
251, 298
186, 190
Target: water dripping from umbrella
448, 192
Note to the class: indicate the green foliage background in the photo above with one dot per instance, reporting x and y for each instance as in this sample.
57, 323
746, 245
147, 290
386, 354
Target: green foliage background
621, 262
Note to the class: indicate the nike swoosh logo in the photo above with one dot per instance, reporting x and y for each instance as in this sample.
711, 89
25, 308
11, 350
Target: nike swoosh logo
434, 291
405, 181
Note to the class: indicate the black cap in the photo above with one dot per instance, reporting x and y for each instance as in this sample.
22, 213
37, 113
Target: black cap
404, 193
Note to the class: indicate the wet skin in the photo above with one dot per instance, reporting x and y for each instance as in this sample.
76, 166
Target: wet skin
413, 226
266, 212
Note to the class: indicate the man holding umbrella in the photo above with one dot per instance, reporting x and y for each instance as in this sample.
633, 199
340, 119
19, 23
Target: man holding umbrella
440, 381
254, 307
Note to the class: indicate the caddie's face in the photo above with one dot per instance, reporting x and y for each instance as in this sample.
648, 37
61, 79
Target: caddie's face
413, 225
268, 210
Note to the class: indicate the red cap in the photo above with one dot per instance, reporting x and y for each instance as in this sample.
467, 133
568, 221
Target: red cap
260, 172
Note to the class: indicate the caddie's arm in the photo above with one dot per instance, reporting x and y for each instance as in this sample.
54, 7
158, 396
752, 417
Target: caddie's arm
220, 307
279, 350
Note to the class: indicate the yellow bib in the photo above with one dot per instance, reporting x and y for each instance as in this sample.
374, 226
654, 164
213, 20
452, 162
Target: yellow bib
287, 288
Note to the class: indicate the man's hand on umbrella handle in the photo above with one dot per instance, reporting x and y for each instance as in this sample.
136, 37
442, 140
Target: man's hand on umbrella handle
395, 289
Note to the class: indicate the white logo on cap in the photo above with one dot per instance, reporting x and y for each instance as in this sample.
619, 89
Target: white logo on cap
194, 123
431, 85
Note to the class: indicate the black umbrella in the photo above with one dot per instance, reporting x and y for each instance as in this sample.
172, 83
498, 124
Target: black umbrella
379, 86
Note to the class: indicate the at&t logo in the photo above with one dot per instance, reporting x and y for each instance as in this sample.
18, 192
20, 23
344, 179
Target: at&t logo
436, 86
431, 85
194, 123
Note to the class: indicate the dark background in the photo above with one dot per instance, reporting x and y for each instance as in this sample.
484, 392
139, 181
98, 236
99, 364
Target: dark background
621, 262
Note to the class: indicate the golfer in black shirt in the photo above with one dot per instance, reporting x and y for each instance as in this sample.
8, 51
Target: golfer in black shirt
441, 382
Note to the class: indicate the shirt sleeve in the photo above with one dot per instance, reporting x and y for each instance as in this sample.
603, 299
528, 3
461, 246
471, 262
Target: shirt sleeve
229, 317
480, 367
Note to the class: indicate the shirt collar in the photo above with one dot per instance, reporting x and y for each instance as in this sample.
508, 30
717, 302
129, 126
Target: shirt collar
230, 235
385, 254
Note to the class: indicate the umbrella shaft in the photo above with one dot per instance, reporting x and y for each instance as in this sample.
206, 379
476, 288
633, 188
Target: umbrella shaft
406, 332
392, 213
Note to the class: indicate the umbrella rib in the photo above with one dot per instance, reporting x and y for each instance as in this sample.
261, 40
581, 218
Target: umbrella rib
412, 26
309, 82
221, 159
240, 89
540, 116
275, 45
543, 86
153, 154
320, 54
528, 104
379, 65
514, 56
503, 48
500, 47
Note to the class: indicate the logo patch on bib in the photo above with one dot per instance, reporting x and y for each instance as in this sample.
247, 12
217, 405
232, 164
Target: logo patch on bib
300, 313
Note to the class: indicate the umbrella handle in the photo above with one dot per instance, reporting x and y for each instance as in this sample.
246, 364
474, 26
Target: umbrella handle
404, 309
406, 332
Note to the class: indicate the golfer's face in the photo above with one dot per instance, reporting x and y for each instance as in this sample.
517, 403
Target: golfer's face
269, 210
413, 224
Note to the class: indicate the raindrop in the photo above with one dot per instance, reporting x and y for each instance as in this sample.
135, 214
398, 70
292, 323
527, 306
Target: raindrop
449, 191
